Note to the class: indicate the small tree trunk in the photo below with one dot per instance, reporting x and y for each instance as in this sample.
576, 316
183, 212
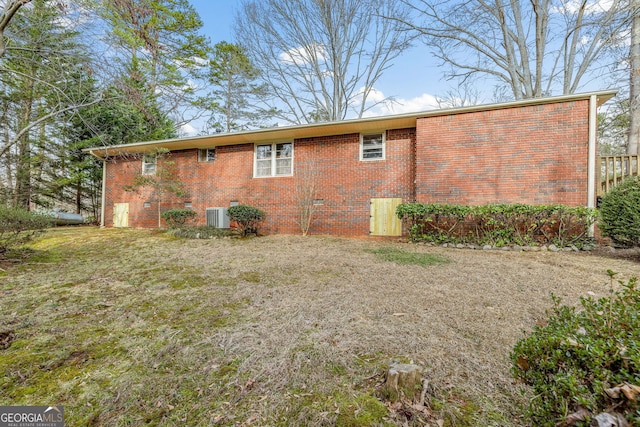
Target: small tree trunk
78, 197
633, 145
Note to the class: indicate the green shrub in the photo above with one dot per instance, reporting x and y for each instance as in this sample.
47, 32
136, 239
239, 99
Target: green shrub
247, 218
497, 224
178, 218
620, 213
18, 226
576, 360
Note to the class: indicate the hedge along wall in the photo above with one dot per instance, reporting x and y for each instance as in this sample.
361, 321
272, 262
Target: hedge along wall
497, 225
533, 155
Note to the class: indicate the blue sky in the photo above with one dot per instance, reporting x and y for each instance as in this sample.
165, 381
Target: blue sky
413, 80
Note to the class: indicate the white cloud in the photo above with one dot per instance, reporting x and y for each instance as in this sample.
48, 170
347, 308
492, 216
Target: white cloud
419, 103
573, 6
416, 104
188, 130
304, 54
201, 62
375, 95
194, 85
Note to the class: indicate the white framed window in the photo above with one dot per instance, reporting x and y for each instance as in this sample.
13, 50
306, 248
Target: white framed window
372, 146
206, 154
149, 164
273, 159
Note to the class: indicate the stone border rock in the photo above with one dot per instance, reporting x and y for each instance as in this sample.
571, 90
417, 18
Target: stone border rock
542, 248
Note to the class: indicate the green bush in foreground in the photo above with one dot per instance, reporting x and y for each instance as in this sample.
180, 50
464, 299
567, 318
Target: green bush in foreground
584, 362
248, 218
178, 218
18, 226
620, 213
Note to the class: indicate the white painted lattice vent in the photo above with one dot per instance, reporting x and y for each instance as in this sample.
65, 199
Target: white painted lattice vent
217, 217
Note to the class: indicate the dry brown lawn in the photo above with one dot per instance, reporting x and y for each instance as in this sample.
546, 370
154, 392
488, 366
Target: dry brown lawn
132, 327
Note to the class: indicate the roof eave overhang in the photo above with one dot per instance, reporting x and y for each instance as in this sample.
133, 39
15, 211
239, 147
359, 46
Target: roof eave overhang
290, 133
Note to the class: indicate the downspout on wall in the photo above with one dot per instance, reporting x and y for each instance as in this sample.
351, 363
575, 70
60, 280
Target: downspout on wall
104, 191
414, 166
593, 151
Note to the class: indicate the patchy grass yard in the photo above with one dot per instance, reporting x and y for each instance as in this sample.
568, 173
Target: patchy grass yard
131, 327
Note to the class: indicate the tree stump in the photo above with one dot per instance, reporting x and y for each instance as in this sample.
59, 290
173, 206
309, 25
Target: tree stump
403, 381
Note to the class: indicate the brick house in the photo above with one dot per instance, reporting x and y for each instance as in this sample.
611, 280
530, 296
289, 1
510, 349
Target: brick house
537, 151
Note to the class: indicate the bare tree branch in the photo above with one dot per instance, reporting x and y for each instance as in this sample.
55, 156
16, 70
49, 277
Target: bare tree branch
321, 59
521, 44
9, 11
40, 120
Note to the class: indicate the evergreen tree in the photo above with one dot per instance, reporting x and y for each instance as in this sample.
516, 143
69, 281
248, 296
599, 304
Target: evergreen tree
159, 39
235, 90
38, 81
112, 122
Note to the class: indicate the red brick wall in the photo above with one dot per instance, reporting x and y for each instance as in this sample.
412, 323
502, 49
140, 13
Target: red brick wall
345, 183
535, 155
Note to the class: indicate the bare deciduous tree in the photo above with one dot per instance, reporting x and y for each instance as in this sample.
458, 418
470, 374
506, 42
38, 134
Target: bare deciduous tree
321, 59
464, 95
307, 187
535, 47
613, 128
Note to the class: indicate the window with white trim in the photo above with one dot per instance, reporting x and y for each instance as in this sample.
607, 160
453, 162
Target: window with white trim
206, 154
149, 164
273, 159
372, 146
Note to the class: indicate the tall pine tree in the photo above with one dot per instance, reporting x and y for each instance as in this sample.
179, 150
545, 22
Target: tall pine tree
235, 89
38, 84
159, 39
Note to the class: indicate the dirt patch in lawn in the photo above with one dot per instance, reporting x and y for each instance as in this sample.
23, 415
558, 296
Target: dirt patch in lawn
137, 328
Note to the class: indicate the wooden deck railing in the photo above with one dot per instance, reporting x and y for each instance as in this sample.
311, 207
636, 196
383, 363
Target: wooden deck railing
613, 169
